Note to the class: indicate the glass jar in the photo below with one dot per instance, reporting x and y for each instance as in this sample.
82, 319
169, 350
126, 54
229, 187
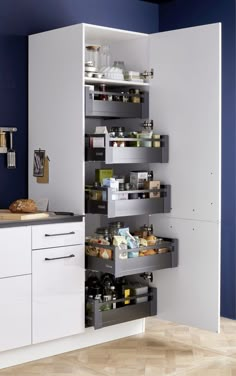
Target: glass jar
105, 57
92, 56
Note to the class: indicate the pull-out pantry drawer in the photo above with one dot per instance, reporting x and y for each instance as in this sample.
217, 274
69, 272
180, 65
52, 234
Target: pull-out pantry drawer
58, 292
15, 251
57, 235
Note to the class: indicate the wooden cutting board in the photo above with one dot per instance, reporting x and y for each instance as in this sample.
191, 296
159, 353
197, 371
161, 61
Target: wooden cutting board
7, 215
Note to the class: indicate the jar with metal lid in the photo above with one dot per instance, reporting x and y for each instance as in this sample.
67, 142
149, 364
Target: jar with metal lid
92, 56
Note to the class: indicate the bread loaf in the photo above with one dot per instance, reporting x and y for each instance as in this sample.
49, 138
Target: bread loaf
23, 206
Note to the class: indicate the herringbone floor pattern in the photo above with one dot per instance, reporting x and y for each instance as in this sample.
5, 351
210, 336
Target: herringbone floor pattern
164, 349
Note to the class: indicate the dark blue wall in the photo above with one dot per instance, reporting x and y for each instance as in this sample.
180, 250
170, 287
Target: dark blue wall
187, 13
19, 18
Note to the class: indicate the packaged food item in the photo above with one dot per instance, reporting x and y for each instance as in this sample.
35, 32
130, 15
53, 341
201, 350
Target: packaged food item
91, 251
131, 241
111, 183
143, 242
120, 241
102, 173
96, 142
153, 184
137, 179
105, 253
148, 252
151, 240
163, 250
133, 254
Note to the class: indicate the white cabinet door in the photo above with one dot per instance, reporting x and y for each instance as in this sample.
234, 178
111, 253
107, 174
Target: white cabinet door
56, 115
15, 312
185, 103
58, 292
15, 251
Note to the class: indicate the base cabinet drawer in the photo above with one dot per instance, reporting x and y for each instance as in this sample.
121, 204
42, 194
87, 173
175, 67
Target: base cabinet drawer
57, 235
15, 312
58, 292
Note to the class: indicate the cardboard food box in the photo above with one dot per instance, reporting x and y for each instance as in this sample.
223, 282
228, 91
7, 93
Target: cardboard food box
102, 173
137, 179
153, 184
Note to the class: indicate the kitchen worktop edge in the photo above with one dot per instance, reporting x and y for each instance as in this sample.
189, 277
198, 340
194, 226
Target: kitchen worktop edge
45, 221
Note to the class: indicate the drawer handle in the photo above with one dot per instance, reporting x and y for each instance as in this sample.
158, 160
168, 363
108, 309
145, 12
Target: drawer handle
58, 258
63, 233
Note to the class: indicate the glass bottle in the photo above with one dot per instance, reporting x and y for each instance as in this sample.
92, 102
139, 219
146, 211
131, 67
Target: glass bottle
113, 297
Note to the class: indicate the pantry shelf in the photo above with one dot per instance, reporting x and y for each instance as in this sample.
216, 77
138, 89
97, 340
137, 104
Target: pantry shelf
92, 81
129, 207
100, 319
115, 109
128, 154
120, 267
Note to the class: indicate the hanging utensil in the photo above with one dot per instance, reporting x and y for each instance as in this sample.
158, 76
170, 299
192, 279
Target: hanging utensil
11, 154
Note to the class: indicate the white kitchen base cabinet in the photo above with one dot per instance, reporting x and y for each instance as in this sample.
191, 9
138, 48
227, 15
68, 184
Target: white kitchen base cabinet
58, 292
15, 312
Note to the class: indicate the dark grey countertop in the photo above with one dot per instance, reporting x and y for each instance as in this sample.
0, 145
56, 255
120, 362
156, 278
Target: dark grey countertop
45, 221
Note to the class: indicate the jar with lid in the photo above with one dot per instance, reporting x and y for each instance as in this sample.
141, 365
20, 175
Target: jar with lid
92, 56
3, 142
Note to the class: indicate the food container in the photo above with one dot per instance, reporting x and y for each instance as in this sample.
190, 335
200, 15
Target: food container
153, 184
156, 141
137, 290
137, 179
132, 76
96, 142
92, 56
102, 173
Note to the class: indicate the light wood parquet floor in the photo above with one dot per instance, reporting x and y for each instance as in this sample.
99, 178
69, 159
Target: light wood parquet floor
164, 349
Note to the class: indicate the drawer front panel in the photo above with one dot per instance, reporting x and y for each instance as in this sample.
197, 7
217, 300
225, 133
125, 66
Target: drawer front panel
58, 292
15, 312
57, 235
15, 251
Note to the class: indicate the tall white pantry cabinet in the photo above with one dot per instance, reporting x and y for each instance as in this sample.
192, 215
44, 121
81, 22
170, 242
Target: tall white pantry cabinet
184, 103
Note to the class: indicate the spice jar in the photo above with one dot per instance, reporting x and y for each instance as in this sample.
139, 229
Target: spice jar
3, 142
